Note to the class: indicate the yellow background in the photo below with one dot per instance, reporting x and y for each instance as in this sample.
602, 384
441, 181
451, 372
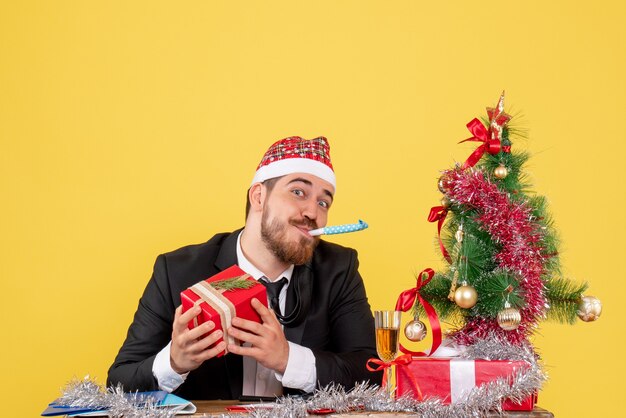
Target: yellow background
129, 129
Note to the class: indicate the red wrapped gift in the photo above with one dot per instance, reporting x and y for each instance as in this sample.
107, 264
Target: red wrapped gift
221, 306
451, 379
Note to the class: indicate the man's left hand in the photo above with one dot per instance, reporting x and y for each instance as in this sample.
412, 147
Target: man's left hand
269, 345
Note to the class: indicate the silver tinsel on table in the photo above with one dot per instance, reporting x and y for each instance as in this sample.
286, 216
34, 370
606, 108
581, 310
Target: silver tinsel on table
89, 394
363, 397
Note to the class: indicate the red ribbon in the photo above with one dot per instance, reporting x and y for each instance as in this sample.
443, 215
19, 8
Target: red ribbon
400, 361
406, 300
438, 214
480, 134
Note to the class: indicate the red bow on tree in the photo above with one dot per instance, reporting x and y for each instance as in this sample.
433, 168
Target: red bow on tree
405, 302
438, 214
489, 137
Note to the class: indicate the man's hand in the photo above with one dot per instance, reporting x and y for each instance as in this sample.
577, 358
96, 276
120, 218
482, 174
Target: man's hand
269, 345
189, 350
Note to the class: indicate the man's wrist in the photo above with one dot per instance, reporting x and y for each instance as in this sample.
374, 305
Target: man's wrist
175, 368
301, 372
283, 366
167, 378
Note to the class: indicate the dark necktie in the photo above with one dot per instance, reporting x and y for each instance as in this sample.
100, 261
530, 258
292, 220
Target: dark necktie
273, 291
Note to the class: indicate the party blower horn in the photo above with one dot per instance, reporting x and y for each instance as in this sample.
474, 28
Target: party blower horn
339, 229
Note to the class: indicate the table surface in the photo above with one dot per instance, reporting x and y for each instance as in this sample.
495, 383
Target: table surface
209, 408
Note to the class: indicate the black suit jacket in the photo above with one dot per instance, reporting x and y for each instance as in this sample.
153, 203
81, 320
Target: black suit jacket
339, 327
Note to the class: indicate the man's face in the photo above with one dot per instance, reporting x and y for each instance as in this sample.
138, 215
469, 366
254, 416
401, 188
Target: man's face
297, 204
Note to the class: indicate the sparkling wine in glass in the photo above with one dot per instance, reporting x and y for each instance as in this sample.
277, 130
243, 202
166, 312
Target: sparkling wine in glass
387, 335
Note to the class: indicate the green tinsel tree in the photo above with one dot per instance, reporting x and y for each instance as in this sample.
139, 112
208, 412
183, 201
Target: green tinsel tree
499, 241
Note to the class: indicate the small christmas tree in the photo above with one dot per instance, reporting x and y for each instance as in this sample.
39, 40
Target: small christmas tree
504, 274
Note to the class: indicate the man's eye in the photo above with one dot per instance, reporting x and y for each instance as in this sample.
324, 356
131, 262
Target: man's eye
298, 192
324, 204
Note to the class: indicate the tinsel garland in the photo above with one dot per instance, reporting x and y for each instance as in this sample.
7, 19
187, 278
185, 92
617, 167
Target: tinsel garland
510, 224
363, 397
89, 394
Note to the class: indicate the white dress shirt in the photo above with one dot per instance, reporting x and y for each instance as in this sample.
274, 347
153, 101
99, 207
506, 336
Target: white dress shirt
300, 373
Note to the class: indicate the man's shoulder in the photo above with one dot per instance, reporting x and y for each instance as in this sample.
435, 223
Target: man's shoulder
330, 251
187, 265
336, 267
198, 251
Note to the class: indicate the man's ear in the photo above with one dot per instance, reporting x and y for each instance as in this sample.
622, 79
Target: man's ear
256, 195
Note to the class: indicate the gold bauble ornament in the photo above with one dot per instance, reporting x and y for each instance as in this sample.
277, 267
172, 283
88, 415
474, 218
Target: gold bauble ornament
443, 185
415, 330
445, 202
501, 172
509, 318
589, 308
465, 296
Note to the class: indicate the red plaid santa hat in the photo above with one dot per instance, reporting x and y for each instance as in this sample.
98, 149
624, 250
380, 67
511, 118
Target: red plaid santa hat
296, 155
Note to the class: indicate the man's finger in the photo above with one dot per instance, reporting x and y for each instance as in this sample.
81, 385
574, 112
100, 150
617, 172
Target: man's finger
178, 312
212, 352
181, 321
176, 324
243, 351
245, 324
200, 330
244, 336
263, 311
205, 342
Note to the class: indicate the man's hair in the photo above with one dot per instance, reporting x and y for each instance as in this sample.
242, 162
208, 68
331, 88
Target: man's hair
269, 184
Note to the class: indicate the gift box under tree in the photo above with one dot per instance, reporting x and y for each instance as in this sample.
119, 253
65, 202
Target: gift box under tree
451, 379
221, 298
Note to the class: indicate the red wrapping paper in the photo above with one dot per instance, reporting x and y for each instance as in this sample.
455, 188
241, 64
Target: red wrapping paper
239, 298
449, 379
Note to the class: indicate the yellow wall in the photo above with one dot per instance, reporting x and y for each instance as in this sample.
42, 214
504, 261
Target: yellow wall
132, 128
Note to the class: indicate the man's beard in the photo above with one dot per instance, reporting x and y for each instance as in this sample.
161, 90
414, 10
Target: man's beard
274, 234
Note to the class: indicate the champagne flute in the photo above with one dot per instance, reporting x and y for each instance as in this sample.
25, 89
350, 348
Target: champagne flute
387, 337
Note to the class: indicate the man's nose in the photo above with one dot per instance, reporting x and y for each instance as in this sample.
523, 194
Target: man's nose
309, 209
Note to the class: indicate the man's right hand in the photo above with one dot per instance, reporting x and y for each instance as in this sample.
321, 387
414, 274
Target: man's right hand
189, 350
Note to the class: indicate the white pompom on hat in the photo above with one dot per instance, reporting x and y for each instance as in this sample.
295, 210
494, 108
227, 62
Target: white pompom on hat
297, 155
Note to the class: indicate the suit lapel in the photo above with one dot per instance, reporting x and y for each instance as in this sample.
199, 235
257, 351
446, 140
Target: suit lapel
227, 255
302, 277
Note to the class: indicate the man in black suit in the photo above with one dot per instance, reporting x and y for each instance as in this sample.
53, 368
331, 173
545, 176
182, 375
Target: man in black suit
319, 328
